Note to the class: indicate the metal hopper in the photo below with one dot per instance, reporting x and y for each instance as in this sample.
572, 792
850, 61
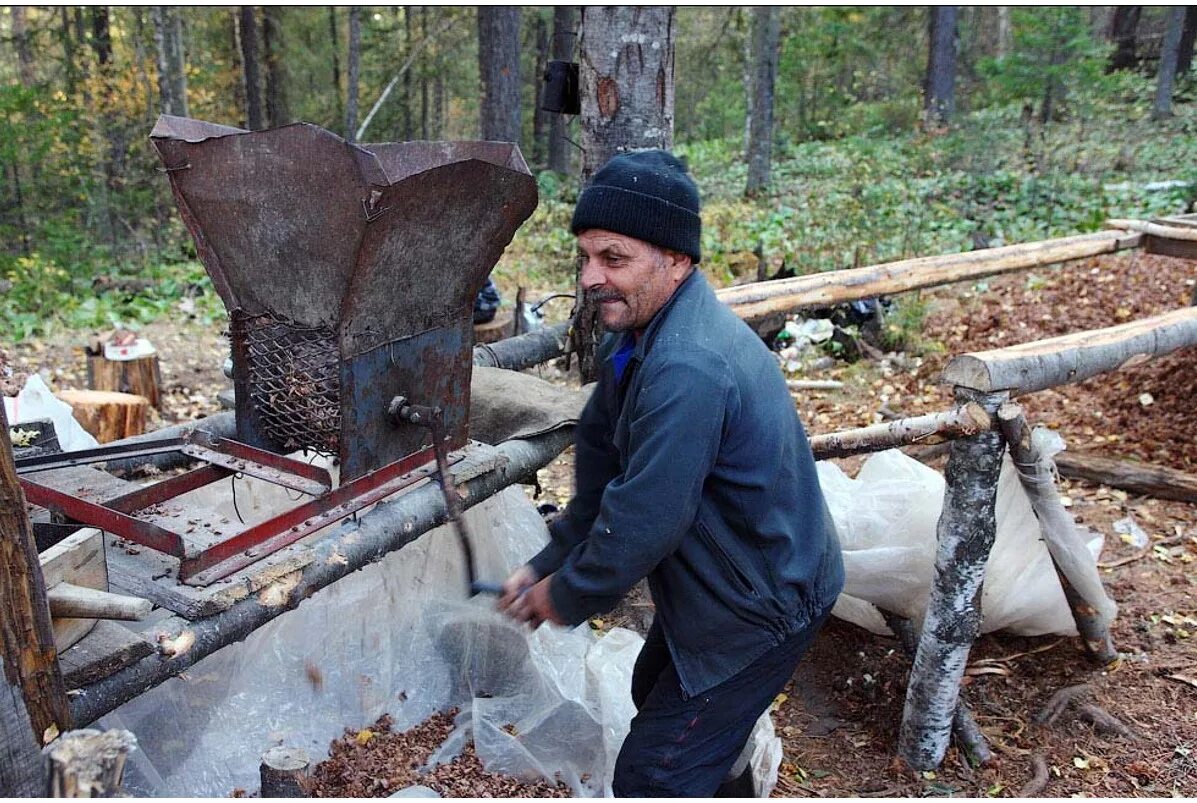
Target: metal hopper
349, 273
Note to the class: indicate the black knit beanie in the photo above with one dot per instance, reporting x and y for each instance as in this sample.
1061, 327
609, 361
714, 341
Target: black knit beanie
647, 195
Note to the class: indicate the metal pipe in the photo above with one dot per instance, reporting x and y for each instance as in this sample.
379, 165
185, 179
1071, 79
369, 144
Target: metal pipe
390, 526
524, 351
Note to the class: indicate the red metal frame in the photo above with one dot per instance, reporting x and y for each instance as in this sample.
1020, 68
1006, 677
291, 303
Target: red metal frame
201, 565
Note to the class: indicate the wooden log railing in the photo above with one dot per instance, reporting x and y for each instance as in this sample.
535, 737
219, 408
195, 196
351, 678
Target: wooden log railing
1074, 357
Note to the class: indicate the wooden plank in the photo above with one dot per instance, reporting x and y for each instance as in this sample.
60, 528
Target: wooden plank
754, 302
79, 560
108, 648
1166, 246
1071, 358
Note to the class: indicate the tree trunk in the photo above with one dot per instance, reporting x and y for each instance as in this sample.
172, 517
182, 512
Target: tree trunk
408, 130
423, 73
499, 68
33, 705
282, 772
336, 61
766, 35
965, 535
277, 112
250, 68
1169, 58
939, 95
626, 84
539, 115
140, 377
627, 69
20, 38
1123, 31
353, 66
1184, 60
1144, 479
1003, 31
564, 22
172, 67
68, 50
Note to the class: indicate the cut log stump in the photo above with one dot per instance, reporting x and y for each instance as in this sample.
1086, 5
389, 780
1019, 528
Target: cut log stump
497, 329
107, 415
141, 376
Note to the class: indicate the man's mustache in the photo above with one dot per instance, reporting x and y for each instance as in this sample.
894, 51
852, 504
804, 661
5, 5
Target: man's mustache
595, 296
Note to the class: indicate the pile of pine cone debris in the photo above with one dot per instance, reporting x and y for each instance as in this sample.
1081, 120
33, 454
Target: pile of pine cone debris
376, 761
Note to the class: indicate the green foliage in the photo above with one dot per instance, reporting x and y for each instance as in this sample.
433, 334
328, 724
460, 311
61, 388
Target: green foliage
1053, 57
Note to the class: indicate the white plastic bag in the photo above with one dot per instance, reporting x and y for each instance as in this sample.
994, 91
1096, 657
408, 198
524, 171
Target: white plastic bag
35, 401
886, 518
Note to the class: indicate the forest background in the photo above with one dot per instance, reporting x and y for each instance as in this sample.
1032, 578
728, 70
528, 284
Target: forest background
1054, 119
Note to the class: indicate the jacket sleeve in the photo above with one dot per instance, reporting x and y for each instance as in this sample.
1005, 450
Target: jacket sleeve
675, 431
596, 463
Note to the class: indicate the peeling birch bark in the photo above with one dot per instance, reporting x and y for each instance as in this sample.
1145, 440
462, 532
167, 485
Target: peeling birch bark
965, 534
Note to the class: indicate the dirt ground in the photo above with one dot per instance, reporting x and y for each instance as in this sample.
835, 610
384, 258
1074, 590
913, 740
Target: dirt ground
840, 716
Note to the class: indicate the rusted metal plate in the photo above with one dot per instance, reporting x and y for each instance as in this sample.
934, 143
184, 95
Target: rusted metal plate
346, 269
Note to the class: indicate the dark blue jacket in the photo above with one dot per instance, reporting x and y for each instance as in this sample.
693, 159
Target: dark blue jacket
693, 470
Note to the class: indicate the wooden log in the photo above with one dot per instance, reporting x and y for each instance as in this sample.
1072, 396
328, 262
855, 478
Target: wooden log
963, 421
140, 377
1145, 479
964, 726
89, 763
90, 603
1091, 607
108, 416
1154, 229
1056, 361
33, 701
758, 301
965, 534
282, 771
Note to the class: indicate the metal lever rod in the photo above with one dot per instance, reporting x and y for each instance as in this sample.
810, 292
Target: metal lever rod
434, 419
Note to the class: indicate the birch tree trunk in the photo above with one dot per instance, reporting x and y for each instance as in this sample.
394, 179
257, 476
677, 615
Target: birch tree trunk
499, 68
626, 81
564, 35
33, 703
1169, 57
766, 35
277, 111
250, 69
939, 97
965, 534
353, 62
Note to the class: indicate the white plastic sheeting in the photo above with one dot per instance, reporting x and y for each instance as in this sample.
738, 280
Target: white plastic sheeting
398, 637
886, 518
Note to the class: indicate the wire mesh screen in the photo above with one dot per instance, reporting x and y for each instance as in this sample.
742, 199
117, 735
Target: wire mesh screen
294, 381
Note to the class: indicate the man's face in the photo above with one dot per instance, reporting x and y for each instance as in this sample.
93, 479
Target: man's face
629, 279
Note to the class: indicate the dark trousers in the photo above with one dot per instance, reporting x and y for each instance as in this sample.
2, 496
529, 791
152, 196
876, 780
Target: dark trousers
685, 748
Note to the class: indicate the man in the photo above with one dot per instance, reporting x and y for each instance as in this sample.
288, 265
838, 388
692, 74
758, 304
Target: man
692, 470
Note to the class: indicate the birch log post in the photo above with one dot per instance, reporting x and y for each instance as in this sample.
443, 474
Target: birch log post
963, 421
965, 534
964, 725
282, 772
1056, 361
1092, 609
